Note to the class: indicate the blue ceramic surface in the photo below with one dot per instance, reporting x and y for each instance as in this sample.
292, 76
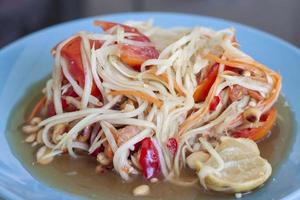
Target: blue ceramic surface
28, 60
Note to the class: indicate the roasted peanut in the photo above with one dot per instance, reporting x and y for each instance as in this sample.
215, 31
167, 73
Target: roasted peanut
30, 138
34, 144
39, 137
30, 129
42, 155
154, 180
252, 103
35, 121
141, 190
246, 73
58, 130
127, 106
102, 159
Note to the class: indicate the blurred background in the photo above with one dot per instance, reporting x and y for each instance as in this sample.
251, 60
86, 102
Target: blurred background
21, 17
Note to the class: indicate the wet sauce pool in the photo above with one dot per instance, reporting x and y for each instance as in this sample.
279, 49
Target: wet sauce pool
78, 176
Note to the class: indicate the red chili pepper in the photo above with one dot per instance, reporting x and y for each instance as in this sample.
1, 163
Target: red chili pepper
172, 146
214, 103
149, 159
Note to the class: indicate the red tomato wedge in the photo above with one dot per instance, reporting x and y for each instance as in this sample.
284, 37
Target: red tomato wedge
132, 55
204, 86
135, 56
71, 52
108, 25
268, 119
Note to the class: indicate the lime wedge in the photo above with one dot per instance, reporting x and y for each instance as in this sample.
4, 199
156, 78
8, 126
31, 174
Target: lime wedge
243, 169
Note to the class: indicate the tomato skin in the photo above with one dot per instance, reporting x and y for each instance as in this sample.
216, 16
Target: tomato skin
204, 86
108, 25
215, 102
72, 53
268, 119
172, 146
149, 159
133, 56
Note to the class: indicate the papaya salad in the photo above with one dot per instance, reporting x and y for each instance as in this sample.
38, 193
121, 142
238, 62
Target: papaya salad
155, 102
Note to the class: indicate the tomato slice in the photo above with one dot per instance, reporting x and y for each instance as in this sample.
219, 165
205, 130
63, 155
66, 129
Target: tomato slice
71, 52
66, 107
149, 159
133, 56
256, 134
204, 86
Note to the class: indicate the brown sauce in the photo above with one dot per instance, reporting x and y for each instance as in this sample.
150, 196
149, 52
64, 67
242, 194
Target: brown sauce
78, 176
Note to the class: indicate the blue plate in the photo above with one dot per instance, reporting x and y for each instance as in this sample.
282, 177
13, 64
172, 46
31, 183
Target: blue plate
27, 60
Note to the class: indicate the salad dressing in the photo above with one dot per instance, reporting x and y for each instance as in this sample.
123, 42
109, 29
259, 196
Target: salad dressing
78, 176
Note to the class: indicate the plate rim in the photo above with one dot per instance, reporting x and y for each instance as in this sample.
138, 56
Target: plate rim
249, 27
23, 40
